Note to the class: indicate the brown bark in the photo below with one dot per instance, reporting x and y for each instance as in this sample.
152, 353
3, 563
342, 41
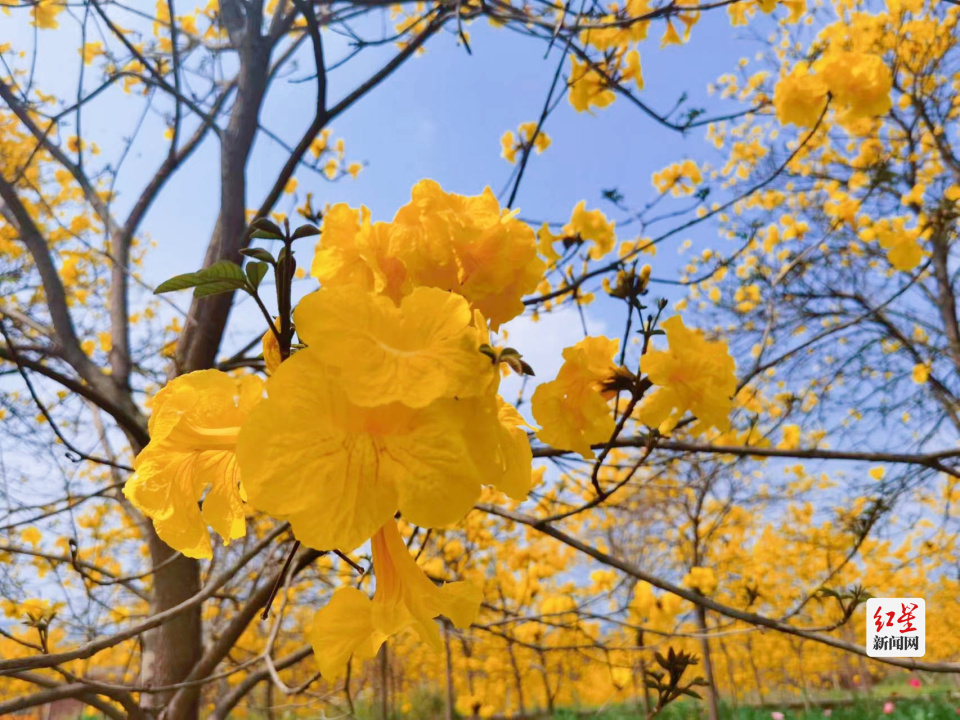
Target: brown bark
713, 698
171, 650
207, 318
946, 300
449, 701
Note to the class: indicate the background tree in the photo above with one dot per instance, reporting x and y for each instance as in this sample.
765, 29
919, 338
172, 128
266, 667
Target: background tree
143, 630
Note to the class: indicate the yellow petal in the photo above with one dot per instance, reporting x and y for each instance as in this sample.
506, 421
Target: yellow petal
193, 432
342, 628
423, 350
341, 476
405, 595
166, 488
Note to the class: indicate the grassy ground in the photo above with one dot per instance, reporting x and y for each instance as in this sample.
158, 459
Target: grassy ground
938, 707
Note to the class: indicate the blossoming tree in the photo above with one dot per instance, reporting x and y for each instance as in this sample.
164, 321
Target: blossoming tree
354, 471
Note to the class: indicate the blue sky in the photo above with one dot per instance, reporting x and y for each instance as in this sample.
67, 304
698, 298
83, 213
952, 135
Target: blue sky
439, 116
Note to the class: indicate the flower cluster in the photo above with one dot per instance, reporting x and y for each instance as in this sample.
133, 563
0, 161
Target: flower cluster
463, 244
527, 135
694, 374
573, 409
398, 379
858, 82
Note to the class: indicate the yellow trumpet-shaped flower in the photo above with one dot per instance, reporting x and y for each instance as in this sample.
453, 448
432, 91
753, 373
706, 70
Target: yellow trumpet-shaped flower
701, 579
693, 374
572, 409
353, 251
413, 354
468, 245
193, 434
799, 98
588, 88
512, 455
344, 474
352, 624
591, 225
860, 83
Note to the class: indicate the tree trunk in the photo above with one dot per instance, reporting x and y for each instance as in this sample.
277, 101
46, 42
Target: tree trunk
384, 690
713, 699
171, 650
449, 700
174, 648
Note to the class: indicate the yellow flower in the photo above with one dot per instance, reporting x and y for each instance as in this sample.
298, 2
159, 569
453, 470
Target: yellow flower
352, 624
31, 535
670, 36
702, 579
694, 374
859, 82
903, 251
45, 13
632, 69
591, 225
921, 373
291, 186
33, 610
542, 142
588, 88
572, 409
511, 454
878, 472
508, 143
271, 349
799, 98
413, 354
345, 473
91, 51
193, 434
442, 240
467, 244
545, 241
352, 251
656, 613
791, 438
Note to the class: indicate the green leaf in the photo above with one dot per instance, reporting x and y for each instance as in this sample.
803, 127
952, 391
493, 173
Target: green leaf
256, 272
264, 228
180, 282
264, 235
304, 231
259, 254
216, 288
219, 277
